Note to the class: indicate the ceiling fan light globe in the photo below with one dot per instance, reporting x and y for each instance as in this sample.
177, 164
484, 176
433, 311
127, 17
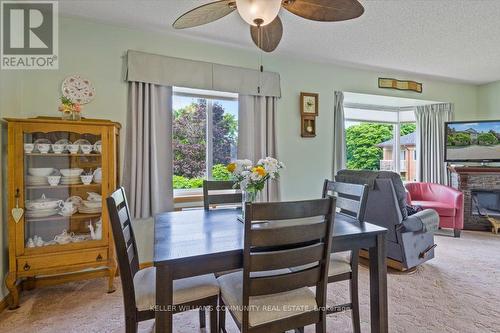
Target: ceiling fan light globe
258, 12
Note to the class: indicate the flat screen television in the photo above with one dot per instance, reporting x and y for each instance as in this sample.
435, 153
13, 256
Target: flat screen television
472, 141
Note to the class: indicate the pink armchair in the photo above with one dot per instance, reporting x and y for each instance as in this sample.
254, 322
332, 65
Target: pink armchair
448, 202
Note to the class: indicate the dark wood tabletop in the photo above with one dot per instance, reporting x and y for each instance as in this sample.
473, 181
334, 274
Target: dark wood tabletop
195, 242
191, 233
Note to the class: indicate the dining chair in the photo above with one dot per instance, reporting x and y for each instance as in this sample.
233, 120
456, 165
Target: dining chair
351, 205
267, 296
139, 285
220, 192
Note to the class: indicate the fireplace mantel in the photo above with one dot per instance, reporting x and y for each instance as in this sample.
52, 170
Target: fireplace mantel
469, 179
473, 169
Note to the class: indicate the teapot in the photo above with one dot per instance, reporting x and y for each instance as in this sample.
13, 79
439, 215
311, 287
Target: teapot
67, 209
64, 237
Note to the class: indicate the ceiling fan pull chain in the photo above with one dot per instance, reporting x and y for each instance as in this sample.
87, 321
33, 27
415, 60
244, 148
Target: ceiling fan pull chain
261, 67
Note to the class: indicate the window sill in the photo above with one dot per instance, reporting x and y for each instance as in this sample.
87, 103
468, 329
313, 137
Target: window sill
188, 198
181, 193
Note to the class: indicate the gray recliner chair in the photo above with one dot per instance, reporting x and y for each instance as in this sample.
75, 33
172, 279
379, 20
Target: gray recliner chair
410, 239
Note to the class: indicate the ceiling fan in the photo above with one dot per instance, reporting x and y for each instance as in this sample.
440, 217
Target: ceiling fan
266, 28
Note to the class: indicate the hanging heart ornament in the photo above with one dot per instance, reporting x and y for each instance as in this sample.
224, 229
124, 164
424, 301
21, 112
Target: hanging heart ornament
17, 213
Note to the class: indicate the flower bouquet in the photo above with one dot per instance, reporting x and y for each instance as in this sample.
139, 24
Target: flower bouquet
70, 110
251, 179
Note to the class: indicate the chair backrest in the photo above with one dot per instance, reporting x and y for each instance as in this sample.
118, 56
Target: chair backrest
351, 198
272, 243
224, 193
370, 177
126, 248
382, 208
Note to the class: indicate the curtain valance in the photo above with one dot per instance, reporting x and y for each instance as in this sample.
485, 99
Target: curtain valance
169, 71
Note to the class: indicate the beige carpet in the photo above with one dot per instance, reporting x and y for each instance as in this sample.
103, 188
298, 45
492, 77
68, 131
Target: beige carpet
458, 291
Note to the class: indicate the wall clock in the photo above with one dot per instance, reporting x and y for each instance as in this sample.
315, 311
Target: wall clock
308, 104
78, 89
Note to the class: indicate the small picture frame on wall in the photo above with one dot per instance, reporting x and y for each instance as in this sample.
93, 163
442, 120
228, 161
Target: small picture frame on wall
309, 104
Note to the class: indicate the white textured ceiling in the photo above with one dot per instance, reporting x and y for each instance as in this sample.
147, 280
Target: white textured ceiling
452, 39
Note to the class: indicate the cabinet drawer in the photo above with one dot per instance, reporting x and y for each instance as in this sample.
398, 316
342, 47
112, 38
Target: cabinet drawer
42, 262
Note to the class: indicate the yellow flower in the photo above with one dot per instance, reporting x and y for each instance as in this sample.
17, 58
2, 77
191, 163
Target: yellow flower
259, 170
231, 167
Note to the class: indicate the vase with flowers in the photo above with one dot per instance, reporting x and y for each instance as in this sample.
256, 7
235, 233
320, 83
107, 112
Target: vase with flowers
251, 178
69, 109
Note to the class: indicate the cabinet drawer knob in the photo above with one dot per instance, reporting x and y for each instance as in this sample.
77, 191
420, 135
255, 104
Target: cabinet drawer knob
99, 257
26, 267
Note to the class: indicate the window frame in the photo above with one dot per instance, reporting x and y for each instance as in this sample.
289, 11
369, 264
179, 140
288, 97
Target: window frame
396, 125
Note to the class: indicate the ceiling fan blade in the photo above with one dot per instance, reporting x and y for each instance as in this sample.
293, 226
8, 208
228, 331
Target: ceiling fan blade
325, 10
270, 35
205, 14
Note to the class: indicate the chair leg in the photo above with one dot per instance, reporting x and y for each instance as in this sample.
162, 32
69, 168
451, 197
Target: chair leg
222, 316
353, 286
321, 326
203, 322
131, 325
213, 316
456, 233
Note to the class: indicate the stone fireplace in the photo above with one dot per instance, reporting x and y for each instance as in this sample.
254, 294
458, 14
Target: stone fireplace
481, 189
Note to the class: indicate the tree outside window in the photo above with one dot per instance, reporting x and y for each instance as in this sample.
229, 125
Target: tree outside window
362, 140
195, 156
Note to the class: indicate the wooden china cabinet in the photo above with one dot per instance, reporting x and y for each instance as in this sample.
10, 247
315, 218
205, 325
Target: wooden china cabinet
64, 227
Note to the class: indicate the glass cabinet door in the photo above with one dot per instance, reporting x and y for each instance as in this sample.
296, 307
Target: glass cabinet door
62, 188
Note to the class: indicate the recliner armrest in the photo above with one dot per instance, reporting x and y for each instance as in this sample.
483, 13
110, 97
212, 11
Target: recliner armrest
425, 221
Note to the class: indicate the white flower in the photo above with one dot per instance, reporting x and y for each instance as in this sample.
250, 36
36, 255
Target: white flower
271, 165
254, 176
241, 165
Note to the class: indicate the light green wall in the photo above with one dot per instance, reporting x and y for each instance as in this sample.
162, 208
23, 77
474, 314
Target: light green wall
488, 101
95, 51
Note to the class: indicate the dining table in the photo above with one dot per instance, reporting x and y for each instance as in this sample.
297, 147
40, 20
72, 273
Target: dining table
195, 242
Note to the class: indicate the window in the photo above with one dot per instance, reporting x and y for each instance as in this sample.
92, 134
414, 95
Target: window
372, 136
205, 136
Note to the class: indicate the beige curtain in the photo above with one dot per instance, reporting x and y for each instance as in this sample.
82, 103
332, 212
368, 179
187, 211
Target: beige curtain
148, 150
257, 134
430, 142
339, 143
